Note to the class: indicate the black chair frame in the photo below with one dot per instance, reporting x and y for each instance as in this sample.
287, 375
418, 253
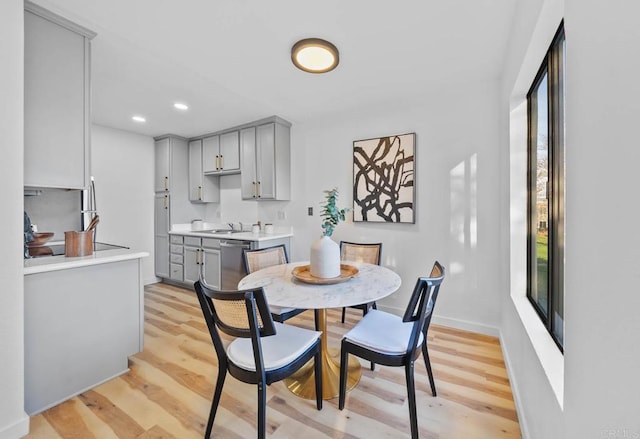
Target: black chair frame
365, 307
419, 311
256, 304
281, 318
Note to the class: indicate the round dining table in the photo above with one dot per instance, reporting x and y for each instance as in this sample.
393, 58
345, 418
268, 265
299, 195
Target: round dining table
282, 288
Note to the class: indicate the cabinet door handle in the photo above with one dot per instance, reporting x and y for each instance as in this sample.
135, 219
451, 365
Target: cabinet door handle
221, 161
166, 183
253, 189
259, 192
217, 162
200, 193
164, 202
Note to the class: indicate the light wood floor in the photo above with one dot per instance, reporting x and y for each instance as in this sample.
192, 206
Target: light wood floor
168, 390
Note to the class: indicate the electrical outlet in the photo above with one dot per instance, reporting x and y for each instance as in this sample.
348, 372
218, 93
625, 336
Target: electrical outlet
282, 215
310, 211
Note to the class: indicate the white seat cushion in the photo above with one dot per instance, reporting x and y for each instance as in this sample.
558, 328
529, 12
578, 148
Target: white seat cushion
278, 350
279, 310
382, 332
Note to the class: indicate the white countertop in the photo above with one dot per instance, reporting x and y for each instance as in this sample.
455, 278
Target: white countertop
54, 263
242, 236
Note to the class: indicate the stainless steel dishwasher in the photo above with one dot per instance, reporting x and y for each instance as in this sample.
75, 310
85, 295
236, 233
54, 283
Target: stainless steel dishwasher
232, 266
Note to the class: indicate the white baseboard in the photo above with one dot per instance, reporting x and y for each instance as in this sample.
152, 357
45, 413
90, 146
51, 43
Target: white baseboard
466, 326
524, 430
16, 430
450, 322
151, 280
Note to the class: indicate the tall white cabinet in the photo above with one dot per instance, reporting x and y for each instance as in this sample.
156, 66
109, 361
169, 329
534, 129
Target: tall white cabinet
172, 203
56, 100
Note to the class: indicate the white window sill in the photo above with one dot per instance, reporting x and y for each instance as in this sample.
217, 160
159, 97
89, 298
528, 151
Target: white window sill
548, 353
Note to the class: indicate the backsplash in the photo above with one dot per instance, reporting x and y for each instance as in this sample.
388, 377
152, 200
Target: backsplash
54, 210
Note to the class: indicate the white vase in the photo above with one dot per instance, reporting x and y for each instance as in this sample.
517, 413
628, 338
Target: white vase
325, 258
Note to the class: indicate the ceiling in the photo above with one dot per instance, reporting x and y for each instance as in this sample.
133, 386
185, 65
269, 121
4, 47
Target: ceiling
230, 60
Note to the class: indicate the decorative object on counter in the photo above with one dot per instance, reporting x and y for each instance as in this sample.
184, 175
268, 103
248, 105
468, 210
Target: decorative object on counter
325, 253
94, 222
40, 238
268, 229
78, 243
197, 224
383, 179
28, 234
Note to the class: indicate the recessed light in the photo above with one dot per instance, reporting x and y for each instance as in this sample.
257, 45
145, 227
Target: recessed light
315, 55
139, 119
181, 106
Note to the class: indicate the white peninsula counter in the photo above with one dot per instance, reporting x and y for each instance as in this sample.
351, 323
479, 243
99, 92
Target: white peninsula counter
83, 319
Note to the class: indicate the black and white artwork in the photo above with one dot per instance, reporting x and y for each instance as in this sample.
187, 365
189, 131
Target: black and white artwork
383, 179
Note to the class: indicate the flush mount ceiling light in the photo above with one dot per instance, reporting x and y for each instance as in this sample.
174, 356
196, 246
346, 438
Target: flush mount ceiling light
315, 55
181, 106
139, 119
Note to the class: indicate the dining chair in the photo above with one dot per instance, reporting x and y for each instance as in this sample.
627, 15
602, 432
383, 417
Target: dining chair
255, 260
400, 342
263, 351
360, 252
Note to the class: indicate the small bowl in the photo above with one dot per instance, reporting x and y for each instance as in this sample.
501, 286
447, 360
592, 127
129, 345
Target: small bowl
40, 238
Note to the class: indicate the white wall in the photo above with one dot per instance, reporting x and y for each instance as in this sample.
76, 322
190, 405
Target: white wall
13, 420
602, 302
123, 165
596, 393
457, 195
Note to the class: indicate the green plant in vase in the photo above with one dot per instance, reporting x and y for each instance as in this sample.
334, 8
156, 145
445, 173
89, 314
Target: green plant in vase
331, 214
325, 253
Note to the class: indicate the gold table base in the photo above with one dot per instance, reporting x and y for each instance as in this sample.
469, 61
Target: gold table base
302, 382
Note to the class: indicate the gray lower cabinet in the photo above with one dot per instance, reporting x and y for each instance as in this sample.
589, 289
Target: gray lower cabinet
56, 100
202, 259
81, 325
191, 263
161, 234
176, 256
211, 263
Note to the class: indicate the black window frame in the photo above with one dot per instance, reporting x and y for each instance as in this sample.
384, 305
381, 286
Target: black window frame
553, 67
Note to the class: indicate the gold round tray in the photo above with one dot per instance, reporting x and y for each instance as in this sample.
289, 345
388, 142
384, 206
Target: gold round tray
303, 274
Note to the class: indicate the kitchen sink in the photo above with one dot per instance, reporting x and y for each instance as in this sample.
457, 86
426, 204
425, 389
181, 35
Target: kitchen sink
226, 231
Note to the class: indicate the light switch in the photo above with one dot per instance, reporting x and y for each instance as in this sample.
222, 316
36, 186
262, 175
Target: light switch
310, 211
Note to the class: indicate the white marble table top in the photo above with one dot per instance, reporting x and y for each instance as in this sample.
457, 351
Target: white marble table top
372, 282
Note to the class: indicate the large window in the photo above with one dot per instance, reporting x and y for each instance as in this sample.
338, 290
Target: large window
545, 238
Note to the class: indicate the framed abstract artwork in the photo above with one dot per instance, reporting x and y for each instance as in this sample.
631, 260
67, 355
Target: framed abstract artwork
383, 179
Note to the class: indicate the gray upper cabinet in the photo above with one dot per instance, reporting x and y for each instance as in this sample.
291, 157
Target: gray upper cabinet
221, 154
230, 152
56, 100
202, 189
210, 154
163, 165
265, 154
